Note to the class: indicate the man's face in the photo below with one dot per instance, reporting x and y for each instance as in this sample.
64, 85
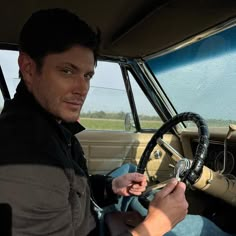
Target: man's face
63, 82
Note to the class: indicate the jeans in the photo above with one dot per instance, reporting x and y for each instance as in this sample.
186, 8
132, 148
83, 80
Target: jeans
192, 225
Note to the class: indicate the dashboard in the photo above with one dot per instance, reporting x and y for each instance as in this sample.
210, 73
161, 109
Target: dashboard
220, 193
216, 151
216, 158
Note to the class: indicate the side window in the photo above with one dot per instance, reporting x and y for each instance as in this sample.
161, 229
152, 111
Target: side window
148, 117
107, 106
107, 103
8, 62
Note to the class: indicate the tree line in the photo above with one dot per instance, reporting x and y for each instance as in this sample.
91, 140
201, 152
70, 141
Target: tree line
114, 115
121, 116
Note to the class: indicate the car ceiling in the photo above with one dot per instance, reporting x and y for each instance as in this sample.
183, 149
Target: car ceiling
131, 28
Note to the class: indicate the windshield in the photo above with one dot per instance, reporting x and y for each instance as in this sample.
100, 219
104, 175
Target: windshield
201, 78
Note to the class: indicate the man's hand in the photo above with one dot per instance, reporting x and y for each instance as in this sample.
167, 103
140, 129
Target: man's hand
168, 207
129, 184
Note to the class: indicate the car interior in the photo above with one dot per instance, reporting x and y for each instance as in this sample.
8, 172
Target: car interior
165, 75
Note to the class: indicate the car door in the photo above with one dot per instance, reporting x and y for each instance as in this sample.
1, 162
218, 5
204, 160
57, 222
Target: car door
112, 136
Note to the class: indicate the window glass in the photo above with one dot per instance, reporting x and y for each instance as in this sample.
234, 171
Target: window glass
8, 62
201, 78
148, 117
9, 65
107, 104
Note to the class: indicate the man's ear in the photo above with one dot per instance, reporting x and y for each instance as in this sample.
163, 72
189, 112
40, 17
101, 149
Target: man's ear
27, 67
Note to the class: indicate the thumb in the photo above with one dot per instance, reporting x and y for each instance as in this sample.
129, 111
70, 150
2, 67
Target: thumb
168, 188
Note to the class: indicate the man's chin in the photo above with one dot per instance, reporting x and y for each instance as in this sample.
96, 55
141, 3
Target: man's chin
70, 119
68, 115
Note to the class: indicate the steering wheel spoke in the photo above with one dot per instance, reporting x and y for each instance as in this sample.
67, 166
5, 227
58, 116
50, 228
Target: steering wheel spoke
176, 156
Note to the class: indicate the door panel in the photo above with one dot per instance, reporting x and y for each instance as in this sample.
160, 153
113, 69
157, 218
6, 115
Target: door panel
107, 150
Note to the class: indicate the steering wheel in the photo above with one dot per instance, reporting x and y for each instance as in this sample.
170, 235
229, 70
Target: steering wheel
188, 171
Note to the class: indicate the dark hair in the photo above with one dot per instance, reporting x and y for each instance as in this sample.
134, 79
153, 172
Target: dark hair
54, 31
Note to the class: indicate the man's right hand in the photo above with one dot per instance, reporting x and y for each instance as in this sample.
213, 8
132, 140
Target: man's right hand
168, 207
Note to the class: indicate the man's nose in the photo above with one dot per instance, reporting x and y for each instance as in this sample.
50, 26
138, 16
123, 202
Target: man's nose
81, 84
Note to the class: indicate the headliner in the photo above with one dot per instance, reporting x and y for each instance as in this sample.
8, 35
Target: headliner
129, 28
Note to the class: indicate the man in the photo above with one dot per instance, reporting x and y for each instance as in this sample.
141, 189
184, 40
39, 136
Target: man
43, 173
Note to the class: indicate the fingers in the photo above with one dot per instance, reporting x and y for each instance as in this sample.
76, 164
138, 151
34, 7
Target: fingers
180, 188
137, 177
131, 183
138, 183
137, 190
173, 188
168, 188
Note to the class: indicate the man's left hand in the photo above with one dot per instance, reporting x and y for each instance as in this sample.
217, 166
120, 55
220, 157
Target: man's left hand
129, 184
